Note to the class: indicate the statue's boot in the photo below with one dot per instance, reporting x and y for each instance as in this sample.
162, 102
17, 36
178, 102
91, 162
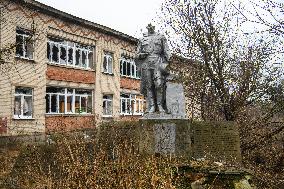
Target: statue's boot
160, 100
161, 109
151, 109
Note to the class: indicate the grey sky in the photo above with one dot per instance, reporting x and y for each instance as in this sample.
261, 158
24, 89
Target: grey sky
127, 16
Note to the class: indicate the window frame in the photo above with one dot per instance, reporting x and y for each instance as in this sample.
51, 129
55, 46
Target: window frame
26, 36
22, 97
76, 47
107, 56
73, 96
128, 103
126, 63
107, 100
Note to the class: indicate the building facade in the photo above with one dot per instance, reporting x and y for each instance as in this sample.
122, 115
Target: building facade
60, 72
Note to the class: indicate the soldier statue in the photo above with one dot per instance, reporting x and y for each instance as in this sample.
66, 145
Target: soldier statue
152, 58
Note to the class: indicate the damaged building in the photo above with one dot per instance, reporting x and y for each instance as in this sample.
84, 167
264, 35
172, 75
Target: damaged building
61, 72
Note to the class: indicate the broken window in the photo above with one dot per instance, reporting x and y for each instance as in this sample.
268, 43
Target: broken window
133, 69
108, 63
23, 103
53, 103
84, 59
107, 105
125, 104
77, 104
19, 47
105, 64
68, 101
61, 103
78, 57
121, 66
69, 104
131, 104
90, 59
55, 53
83, 102
125, 68
69, 53
48, 52
29, 49
63, 55
24, 44
128, 68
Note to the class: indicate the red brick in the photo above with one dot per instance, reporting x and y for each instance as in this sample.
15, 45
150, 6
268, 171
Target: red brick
68, 123
70, 74
128, 83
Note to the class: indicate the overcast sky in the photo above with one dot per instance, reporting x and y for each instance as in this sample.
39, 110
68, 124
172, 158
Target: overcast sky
127, 16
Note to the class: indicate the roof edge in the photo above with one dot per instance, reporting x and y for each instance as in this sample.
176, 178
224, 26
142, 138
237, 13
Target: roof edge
71, 18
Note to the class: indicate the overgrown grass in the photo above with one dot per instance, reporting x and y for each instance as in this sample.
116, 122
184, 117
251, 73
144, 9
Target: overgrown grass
107, 157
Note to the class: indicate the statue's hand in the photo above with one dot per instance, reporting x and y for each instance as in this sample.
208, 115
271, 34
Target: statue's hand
163, 66
142, 55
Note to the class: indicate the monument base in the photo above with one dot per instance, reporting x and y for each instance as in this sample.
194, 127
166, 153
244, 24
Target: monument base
161, 135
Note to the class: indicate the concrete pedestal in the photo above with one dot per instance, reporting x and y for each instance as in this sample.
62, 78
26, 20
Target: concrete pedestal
165, 136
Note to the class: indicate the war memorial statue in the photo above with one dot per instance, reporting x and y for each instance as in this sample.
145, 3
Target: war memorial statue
165, 116
165, 129
153, 58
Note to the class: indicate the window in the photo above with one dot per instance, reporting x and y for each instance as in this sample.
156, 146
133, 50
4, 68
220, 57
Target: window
131, 104
24, 44
107, 105
107, 63
68, 101
23, 103
69, 53
128, 68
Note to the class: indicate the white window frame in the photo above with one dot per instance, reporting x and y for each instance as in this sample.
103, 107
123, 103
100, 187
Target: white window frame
73, 96
128, 103
107, 56
22, 96
25, 38
80, 103
74, 46
106, 100
131, 63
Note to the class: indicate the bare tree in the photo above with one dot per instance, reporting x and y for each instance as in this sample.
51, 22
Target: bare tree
266, 13
237, 67
239, 72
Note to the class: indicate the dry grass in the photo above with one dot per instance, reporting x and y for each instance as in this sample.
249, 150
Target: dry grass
109, 159
8, 154
104, 158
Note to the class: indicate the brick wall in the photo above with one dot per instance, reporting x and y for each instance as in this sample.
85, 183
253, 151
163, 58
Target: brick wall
37, 74
68, 123
128, 83
70, 74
